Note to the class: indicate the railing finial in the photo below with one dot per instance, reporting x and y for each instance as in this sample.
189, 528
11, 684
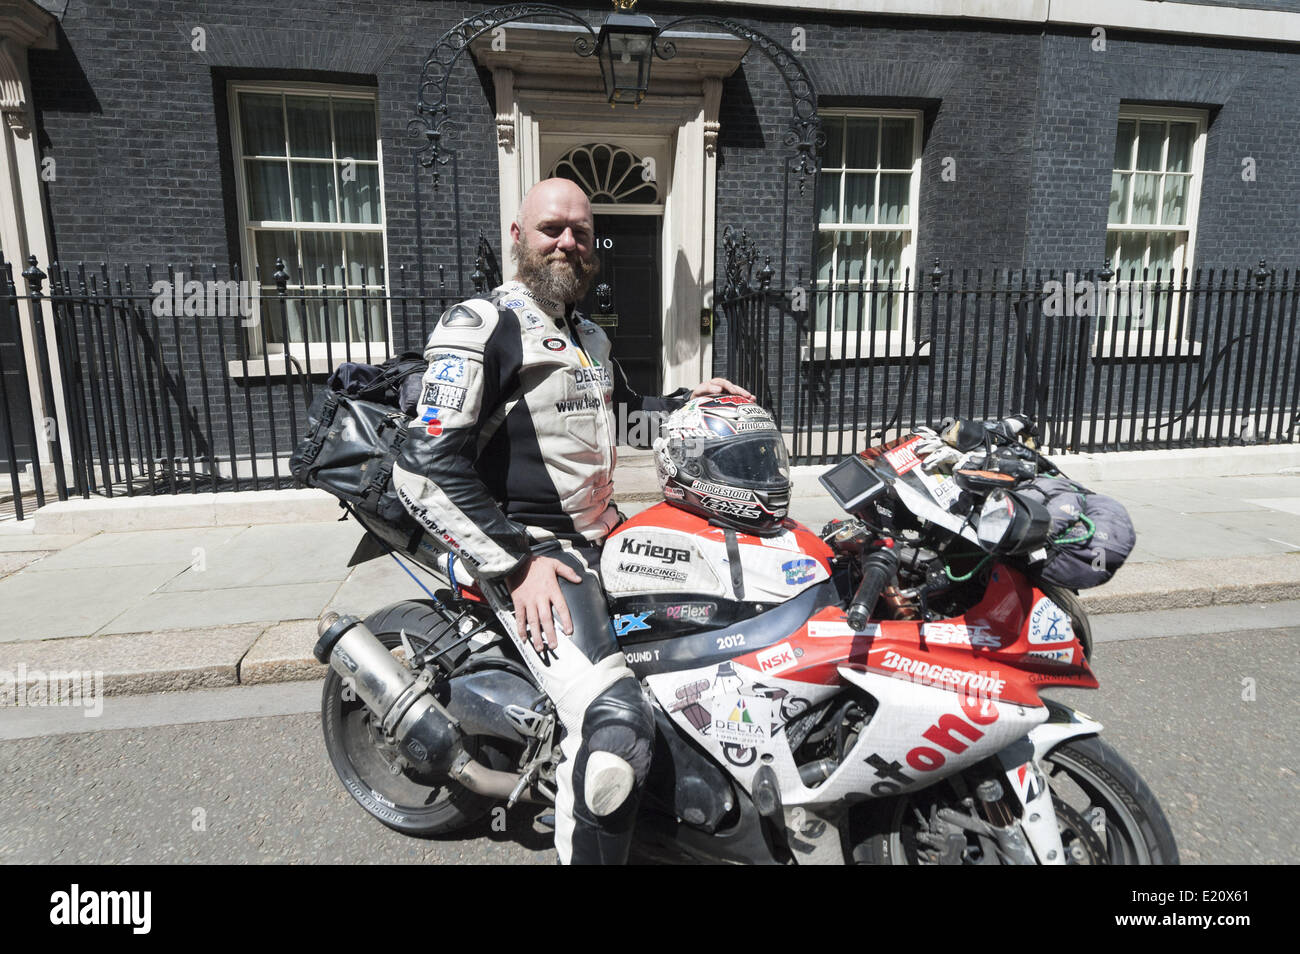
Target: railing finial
35, 277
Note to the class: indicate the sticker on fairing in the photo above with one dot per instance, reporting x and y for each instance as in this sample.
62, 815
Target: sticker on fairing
776, 659
1062, 656
799, 571
1048, 624
834, 629
902, 458
741, 720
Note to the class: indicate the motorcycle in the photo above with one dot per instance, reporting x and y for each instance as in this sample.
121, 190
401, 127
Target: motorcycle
869, 694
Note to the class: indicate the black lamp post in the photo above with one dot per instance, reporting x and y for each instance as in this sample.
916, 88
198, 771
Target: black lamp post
625, 47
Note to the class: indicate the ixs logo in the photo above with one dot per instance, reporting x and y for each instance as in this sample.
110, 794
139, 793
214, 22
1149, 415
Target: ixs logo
625, 623
74, 907
655, 551
943, 734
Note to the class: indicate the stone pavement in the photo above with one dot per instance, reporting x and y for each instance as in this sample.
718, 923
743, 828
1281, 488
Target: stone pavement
216, 590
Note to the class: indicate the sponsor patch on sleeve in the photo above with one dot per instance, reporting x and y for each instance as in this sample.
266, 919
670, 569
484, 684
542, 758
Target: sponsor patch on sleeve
444, 395
447, 368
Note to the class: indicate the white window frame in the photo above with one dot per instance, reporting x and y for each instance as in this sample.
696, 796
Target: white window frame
832, 345
1120, 343
318, 359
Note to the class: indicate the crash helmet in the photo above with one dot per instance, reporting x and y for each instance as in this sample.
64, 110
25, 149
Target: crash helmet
724, 459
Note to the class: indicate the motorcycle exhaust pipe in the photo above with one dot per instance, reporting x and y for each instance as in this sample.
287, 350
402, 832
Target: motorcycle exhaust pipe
427, 734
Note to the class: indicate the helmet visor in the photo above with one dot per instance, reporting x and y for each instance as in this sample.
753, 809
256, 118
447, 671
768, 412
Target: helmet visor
756, 463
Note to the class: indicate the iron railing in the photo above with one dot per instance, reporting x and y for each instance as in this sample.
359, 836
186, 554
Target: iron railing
1193, 360
161, 397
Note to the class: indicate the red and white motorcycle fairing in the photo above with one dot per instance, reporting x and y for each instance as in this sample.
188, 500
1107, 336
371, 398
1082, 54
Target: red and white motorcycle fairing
951, 693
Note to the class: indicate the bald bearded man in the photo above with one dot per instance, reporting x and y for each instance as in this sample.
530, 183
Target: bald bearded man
511, 466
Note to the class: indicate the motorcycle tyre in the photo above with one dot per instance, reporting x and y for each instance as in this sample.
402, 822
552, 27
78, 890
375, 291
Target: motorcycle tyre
453, 807
879, 840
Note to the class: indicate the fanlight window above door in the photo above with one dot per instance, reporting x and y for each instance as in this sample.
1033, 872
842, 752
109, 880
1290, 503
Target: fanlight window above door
609, 173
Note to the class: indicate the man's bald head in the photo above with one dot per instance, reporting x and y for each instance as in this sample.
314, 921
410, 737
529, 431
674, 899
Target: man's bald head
554, 237
560, 197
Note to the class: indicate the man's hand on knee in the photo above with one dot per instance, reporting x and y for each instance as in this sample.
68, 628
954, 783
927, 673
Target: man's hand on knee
535, 590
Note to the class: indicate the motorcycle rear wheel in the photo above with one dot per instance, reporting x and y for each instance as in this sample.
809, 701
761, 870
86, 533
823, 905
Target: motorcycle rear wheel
1106, 813
404, 802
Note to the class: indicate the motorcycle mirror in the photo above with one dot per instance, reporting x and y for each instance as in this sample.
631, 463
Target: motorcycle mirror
1010, 523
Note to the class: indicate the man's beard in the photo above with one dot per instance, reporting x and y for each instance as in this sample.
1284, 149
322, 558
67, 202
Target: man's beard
558, 277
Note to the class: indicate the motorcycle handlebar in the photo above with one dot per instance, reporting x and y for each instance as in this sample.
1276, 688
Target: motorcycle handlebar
878, 570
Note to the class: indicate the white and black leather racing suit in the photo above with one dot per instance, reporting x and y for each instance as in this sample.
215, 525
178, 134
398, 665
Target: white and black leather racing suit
512, 453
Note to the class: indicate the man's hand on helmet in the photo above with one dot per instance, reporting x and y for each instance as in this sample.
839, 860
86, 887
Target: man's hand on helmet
535, 589
719, 386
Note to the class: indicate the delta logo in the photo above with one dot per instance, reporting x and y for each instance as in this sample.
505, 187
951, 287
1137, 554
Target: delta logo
430, 417
739, 725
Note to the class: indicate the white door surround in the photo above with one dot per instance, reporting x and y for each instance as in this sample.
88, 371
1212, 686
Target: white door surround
548, 100
23, 215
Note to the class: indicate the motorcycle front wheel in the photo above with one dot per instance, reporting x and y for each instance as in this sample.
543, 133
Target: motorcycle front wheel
1106, 813
364, 761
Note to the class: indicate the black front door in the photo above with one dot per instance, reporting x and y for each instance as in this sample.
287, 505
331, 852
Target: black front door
628, 246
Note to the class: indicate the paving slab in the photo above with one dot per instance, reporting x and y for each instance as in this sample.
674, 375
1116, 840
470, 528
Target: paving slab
12, 562
376, 584
1270, 526
137, 662
1176, 497
1179, 536
1284, 504
142, 547
1191, 583
283, 654
246, 604
12, 542
74, 602
273, 555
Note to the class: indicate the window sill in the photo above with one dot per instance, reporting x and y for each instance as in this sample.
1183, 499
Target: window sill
860, 349
275, 365
1114, 349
